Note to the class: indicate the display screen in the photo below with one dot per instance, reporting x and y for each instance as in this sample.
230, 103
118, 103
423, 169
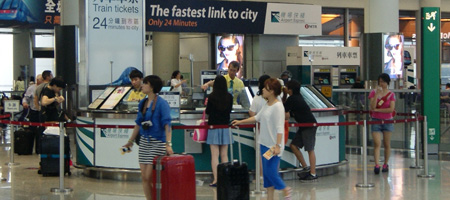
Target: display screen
115, 97
393, 55
230, 47
165, 89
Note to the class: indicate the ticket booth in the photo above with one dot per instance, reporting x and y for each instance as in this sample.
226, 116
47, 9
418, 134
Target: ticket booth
348, 75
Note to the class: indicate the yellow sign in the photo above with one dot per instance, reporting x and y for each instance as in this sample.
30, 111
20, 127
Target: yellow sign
326, 90
324, 70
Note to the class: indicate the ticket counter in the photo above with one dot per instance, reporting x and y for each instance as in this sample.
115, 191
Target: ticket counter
100, 148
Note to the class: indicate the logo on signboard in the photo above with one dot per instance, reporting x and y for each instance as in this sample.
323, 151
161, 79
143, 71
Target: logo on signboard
275, 17
310, 26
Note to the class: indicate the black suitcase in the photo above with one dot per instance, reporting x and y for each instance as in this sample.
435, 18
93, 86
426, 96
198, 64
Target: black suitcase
23, 142
233, 181
50, 144
50, 165
50, 155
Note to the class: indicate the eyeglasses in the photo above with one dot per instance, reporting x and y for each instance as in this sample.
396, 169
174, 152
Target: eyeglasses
230, 47
389, 46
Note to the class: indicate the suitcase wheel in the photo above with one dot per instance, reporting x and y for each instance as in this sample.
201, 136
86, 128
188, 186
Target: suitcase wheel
69, 173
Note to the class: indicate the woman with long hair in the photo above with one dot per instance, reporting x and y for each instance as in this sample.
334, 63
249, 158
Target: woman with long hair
218, 108
271, 140
153, 124
394, 49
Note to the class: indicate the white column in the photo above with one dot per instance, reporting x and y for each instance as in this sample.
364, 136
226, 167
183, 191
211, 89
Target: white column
70, 12
381, 16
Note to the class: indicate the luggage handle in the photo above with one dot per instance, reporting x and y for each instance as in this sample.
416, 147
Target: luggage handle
231, 145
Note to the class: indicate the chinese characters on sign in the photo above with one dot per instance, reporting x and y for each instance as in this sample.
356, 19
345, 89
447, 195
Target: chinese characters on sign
52, 12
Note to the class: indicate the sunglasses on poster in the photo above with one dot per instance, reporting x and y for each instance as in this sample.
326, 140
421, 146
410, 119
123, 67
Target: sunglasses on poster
390, 47
229, 48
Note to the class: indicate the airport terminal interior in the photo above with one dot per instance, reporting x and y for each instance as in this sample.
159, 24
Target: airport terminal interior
336, 50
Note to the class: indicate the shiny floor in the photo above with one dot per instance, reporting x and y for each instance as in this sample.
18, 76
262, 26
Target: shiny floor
22, 182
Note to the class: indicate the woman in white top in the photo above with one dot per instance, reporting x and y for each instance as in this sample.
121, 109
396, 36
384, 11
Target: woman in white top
271, 118
176, 82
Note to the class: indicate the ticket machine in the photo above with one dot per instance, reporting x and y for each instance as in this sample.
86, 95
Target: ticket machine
347, 76
321, 66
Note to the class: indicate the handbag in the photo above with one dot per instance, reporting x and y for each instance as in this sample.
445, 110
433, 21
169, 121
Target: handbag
200, 134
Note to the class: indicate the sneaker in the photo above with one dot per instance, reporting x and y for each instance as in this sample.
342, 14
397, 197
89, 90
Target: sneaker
309, 177
385, 168
376, 169
304, 172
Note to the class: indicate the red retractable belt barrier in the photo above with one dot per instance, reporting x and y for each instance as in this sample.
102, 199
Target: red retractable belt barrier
351, 123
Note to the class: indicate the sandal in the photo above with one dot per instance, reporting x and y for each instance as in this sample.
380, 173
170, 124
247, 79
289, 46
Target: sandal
289, 194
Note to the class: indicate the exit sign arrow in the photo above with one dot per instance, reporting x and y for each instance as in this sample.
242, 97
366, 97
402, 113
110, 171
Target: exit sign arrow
431, 27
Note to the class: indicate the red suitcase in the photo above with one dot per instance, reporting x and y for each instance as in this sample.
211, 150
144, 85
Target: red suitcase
173, 178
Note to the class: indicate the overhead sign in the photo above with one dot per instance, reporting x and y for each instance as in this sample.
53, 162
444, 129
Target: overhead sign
233, 17
115, 38
323, 56
431, 69
42, 14
12, 106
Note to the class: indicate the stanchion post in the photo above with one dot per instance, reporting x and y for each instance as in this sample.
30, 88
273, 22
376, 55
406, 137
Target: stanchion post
417, 149
257, 164
61, 189
11, 151
425, 151
364, 154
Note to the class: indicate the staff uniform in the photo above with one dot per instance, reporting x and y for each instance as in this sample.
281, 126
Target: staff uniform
235, 87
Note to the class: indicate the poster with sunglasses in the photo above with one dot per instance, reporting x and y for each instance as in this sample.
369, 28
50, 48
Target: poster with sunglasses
229, 48
393, 55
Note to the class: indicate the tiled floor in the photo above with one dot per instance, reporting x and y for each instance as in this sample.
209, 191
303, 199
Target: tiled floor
22, 182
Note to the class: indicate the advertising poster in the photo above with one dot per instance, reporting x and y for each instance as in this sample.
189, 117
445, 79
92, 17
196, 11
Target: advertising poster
42, 14
393, 55
230, 47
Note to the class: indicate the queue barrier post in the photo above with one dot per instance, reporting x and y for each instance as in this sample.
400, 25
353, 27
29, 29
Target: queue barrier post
11, 151
425, 151
257, 164
61, 189
364, 153
417, 148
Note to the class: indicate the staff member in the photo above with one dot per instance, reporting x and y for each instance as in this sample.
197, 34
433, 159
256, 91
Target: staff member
136, 79
235, 85
153, 125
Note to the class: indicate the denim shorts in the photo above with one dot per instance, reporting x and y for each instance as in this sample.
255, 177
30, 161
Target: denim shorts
382, 127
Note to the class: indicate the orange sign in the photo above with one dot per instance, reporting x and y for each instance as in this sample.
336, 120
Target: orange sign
326, 90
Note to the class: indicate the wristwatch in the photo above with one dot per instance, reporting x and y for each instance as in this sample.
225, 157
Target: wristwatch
279, 145
169, 143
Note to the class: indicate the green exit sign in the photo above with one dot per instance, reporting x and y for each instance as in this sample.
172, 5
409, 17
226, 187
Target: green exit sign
431, 31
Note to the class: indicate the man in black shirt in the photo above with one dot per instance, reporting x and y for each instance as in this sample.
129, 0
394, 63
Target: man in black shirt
51, 98
296, 106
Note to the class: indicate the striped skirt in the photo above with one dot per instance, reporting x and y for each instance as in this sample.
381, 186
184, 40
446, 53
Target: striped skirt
149, 150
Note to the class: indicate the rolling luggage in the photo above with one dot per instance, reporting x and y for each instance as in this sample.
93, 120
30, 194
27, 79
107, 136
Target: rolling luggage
23, 142
233, 181
173, 177
50, 155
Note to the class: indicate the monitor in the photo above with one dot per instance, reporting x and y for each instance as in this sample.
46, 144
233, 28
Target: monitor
198, 96
165, 89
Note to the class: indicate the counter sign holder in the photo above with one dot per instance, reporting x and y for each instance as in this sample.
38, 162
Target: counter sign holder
12, 106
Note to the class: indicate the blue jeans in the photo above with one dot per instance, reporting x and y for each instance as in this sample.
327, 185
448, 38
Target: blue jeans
270, 171
382, 127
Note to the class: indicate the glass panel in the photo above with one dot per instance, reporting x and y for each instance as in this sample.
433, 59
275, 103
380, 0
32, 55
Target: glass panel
6, 57
44, 41
43, 64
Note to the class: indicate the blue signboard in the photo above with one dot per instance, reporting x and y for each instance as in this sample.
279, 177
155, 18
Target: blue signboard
205, 16
30, 13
